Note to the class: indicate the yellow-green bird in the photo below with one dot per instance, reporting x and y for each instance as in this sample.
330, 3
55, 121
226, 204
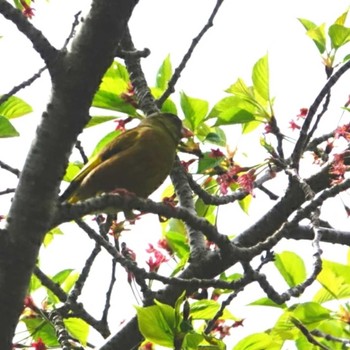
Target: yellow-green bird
137, 161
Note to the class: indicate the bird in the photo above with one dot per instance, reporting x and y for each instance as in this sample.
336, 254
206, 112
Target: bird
136, 161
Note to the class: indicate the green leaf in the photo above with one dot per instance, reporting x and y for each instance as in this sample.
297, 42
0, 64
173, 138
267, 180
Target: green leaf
72, 170
177, 308
116, 80
339, 35
316, 33
205, 210
40, 328
49, 236
245, 203
192, 340
164, 74
111, 101
257, 341
310, 313
180, 265
14, 107
78, 328
284, 329
307, 23
251, 98
175, 233
342, 18
194, 109
34, 284
291, 267
267, 302
99, 119
168, 106
6, 128
240, 89
156, 325
206, 309
232, 110
207, 163
216, 137
260, 78
66, 279
335, 281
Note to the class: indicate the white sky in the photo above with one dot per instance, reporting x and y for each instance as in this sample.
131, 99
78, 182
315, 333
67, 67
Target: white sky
243, 32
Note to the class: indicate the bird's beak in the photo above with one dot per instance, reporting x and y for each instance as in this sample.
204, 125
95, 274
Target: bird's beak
186, 133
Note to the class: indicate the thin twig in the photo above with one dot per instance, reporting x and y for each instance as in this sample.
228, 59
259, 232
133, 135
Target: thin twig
21, 86
303, 137
72, 32
9, 168
185, 59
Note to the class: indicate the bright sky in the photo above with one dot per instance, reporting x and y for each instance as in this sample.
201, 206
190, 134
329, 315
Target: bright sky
243, 32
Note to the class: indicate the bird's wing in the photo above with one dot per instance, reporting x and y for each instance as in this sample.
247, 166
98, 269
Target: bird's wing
120, 143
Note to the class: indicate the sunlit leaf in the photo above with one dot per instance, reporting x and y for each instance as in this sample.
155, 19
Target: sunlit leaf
206, 309
99, 119
72, 170
257, 341
49, 236
335, 281
260, 77
291, 267
267, 302
168, 106
194, 109
156, 325
14, 107
245, 203
311, 313
316, 33
342, 18
164, 74
111, 101
339, 35
78, 328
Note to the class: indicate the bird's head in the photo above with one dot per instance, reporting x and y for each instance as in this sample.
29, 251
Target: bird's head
170, 122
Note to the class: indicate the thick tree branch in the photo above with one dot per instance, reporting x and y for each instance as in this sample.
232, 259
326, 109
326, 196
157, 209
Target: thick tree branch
76, 76
47, 52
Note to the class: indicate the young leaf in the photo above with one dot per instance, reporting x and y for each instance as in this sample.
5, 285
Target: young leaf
206, 309
168, 106
6, 128
316, 33
14, 107
291, 267
155, 325
311, 313
78, 328
194, 110
232, 110
260, 78
99, 119
245, 203
164, 74
257, 341
111, 101
342, 18
339, 35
